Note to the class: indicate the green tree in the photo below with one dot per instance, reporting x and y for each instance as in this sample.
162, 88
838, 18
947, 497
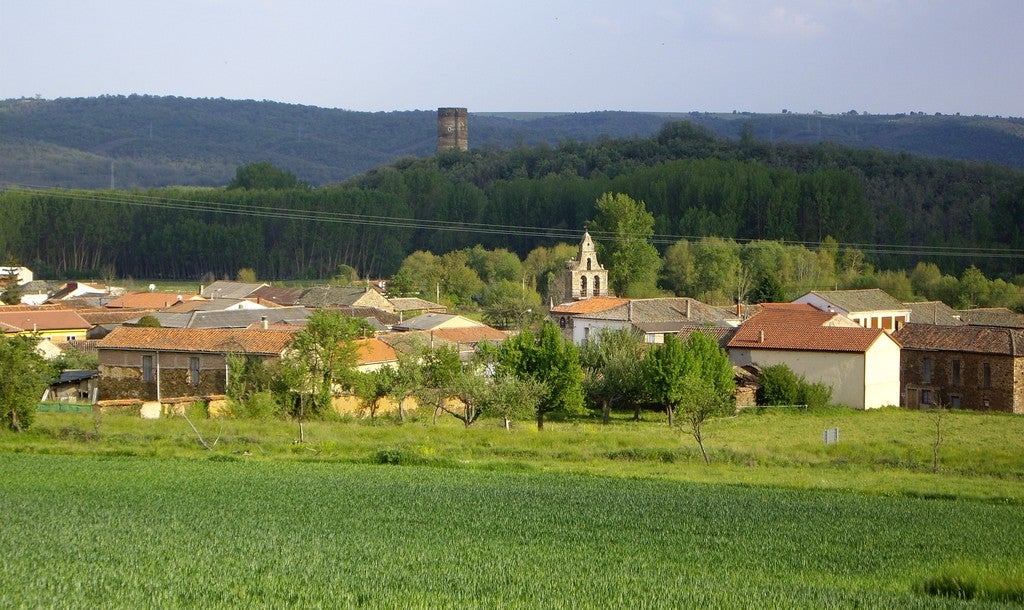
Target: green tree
612, 361
626, 227
323, 357
767, 289
262, 175
550, 359
246, 275
148, 321
974, 288
510, 305
509, 397
24, 376
374, 386
441, 371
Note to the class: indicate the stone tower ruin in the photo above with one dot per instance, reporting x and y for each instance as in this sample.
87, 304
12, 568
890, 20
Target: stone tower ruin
452, 129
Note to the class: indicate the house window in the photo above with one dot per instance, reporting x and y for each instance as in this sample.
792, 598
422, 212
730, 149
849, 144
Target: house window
986, 375
69, 338
954, 401
957, 378
193, 370
583, 286
926, 375
147, 368
926, 397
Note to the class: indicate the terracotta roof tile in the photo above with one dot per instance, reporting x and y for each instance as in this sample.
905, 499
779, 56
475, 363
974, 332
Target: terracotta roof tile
473, 334
591, 305
47, 319
793, 328
214, 340
374, 351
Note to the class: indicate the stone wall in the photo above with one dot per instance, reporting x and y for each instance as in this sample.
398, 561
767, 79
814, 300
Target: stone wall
1005, 393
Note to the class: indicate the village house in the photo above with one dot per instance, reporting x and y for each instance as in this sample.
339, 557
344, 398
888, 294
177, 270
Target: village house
861, 365
155, 364
962, 367
871, 308
992, 316
56, 325
652, 318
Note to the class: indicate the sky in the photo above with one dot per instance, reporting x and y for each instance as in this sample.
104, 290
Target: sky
875, 56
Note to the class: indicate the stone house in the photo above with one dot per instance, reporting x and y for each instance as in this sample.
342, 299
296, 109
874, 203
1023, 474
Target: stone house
962, 367
164, 363
652, 318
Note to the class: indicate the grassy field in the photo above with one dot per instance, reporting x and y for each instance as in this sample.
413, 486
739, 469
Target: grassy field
120, 512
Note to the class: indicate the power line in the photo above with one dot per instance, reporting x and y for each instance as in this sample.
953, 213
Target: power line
308, 215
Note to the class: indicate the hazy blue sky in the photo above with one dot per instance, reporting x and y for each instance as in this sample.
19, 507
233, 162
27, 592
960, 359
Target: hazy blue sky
877, 56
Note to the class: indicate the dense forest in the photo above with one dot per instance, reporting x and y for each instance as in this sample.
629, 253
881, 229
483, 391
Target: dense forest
148, 141
895, 209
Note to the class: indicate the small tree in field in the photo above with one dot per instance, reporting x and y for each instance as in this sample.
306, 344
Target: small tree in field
24, 376
937, 415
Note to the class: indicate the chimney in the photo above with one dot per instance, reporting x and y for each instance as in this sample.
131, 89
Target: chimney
263, 323
760, 336
687, 309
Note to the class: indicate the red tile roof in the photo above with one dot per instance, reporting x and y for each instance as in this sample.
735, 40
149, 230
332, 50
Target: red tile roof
44, 319
212, 340
801, 328
473, 334
374, 351
591, 305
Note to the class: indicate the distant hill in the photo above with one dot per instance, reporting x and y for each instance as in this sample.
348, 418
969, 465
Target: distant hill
148, 141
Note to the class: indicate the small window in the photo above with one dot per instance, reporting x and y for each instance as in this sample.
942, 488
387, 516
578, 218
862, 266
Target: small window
588, 263
926, 397
193, 370
957, 377
986, 375
70, 338
926, 375
147, 368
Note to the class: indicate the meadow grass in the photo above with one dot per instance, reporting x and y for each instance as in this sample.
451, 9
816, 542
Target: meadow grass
887, 452
220, 530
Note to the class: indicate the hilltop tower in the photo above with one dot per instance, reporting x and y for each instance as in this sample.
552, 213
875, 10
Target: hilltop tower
584, 275
452, 129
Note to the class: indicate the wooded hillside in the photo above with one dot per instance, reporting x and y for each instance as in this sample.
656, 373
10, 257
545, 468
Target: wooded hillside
896, 208
148, 141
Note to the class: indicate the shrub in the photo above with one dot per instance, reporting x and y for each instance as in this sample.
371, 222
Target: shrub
261, 405
779, 386
814, 395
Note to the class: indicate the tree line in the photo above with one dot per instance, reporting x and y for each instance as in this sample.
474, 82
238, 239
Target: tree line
694, 185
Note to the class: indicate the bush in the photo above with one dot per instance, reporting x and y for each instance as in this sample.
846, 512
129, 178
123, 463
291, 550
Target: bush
261, 405
814, 395
779, 386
